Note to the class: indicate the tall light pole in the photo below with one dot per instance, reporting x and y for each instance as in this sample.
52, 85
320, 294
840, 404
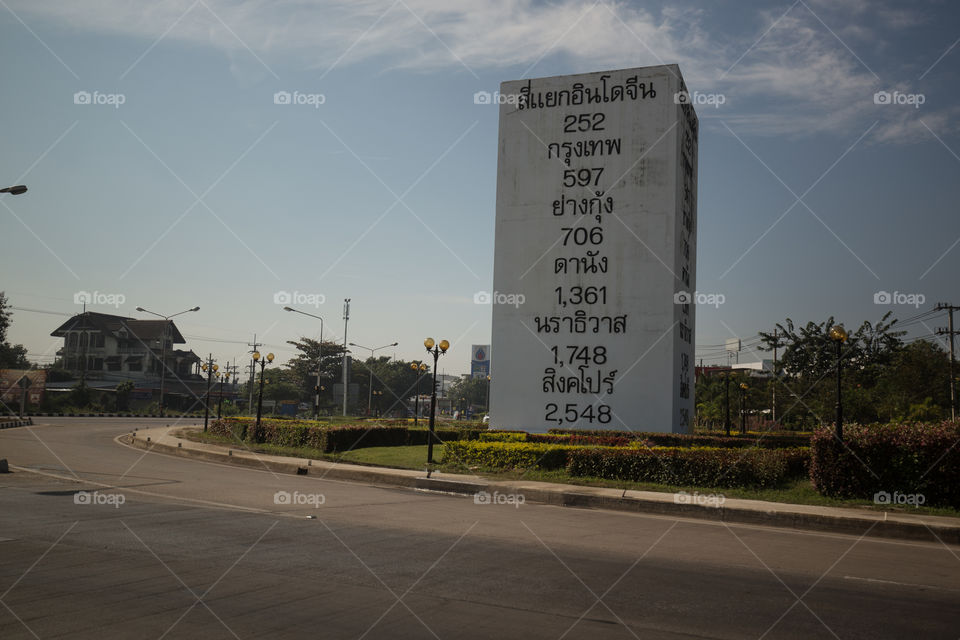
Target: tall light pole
743, 411
372, 351
839, 335
15, 190
163, 347
263, 364
346, 317
435, 350
316, 409
419, 367
211, 369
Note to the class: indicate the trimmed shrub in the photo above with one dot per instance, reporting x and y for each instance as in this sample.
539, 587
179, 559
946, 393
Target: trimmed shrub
503, 436
767, 441
506, 455
919, 458
587, 439
705, 467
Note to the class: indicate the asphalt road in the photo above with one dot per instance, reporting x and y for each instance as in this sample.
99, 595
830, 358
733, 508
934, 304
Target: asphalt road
190, 549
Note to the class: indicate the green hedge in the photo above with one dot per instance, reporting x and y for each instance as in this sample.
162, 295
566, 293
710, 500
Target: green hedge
506, 455
654, 439
331, 439
713, 467
907, 459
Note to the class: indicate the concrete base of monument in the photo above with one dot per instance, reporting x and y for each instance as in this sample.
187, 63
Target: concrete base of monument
842, 520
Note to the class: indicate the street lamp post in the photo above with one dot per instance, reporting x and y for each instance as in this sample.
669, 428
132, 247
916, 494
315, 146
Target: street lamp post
419, 367
346, 318
163, 346
15, 190
263, 363
316, 408
223, 379
210, 368
839, 335
370, 390
379, 395
743, 412
726, 402
435, 350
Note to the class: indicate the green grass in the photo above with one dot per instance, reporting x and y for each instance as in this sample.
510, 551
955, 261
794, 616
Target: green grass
415, 457
407, 457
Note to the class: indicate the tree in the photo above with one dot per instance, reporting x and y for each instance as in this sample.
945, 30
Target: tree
302, 368
469, 392
11, 356
124, 389
809, 360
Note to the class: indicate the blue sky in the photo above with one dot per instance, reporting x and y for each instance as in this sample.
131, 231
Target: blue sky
200, 190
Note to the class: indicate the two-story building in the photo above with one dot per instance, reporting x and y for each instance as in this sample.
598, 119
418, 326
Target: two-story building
100, 346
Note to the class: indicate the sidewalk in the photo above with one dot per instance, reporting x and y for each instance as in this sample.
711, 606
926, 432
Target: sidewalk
843, 520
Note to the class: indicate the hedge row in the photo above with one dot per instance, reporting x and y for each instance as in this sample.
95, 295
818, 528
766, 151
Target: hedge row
330, 439
919, 458
710, 467
507, 455
766, 441
714, 467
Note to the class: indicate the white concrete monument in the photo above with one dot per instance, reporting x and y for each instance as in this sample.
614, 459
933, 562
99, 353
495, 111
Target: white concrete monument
595, 258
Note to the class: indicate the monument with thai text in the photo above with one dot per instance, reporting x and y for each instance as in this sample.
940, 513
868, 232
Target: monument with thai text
596, 234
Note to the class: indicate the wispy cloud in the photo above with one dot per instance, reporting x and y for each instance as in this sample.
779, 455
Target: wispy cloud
806, 74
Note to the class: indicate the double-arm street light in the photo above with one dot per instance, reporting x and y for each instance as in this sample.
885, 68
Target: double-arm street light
263, 363
743, 410
316, 408
435, 350
839, 335
419, 367
211, 369
15, 190
370, 390
163, 348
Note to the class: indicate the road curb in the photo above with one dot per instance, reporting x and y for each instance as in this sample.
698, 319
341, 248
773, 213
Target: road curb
565, 496
10, 424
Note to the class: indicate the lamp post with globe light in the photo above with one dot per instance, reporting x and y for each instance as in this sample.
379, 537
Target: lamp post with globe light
435, 349
419, 367
839, 335
263, 363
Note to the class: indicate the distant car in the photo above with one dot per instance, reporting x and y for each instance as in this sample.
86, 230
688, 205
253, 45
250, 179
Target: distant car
486, 419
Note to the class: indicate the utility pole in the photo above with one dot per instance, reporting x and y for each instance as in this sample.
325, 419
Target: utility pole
953, 390
346, 317
253, 369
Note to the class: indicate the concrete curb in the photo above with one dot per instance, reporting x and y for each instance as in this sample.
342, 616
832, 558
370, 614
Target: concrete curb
10, 424
782, 515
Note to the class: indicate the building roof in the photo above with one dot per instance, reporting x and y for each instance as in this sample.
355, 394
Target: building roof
142, 329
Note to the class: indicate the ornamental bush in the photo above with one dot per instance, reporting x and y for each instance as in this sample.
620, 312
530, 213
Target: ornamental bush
766, 441
506, 455
917, 458
705, 467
